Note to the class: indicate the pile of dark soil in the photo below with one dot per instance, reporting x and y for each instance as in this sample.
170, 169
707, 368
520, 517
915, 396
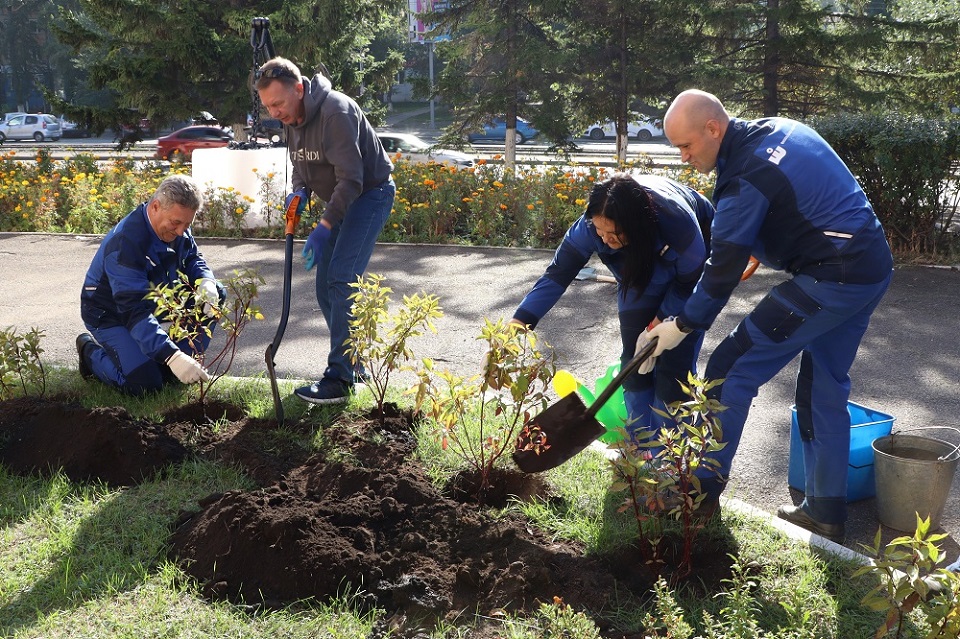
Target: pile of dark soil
359, 516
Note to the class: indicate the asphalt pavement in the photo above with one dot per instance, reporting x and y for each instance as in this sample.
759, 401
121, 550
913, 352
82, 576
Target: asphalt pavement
908, 365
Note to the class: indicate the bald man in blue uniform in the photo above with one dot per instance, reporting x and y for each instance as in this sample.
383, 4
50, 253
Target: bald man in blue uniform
784, 196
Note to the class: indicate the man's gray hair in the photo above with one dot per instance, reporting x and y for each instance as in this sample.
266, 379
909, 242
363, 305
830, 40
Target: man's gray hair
179, 189
279, 69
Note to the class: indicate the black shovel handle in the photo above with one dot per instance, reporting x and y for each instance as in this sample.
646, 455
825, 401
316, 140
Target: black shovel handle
292, 219
626, 371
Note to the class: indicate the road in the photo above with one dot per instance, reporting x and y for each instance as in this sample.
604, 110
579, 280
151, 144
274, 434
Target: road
104, 148
908, 366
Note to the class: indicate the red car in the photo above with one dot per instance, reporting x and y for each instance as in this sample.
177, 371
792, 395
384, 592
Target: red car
180, 145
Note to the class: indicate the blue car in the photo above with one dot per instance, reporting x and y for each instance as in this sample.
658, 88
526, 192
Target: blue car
496, 131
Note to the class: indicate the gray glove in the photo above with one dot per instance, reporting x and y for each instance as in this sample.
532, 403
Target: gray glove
208, 295
187, 369
670, 335
648, 364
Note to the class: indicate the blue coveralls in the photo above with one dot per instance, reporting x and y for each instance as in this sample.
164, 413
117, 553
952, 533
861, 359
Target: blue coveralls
682, 216
783, 195
134, 345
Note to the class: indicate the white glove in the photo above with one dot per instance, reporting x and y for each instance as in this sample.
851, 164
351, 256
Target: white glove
187, 369
669, 335
208, 295
650, 362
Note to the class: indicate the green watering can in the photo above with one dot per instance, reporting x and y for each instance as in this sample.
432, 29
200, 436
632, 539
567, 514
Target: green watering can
612, 415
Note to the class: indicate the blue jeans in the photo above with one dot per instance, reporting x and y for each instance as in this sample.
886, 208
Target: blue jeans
343, 261
825, 321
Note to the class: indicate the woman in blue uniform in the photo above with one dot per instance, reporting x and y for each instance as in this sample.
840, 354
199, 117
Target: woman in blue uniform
653, 235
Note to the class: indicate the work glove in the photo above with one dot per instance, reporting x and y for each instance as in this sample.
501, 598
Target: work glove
315, 245
304, 196
208, 296
650, 362
187, 369
669, 334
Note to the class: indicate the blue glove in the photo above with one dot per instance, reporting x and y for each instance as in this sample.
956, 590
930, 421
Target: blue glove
316, 243
304, 198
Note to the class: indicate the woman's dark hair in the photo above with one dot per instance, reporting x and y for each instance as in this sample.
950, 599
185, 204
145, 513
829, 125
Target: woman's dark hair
628, 205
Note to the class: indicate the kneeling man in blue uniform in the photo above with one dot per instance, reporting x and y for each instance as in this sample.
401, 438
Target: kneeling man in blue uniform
127, 346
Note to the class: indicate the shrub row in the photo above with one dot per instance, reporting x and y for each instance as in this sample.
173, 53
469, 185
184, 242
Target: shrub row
907, 165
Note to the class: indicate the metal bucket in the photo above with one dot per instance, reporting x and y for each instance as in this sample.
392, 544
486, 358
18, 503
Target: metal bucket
913, 477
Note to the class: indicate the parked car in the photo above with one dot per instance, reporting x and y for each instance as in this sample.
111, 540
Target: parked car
7, 116
269, 128
643, 130
180, 145
72, 129
496, 131
413, 149
31, 126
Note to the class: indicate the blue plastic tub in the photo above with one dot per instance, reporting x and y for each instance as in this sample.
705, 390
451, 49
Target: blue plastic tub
866, 425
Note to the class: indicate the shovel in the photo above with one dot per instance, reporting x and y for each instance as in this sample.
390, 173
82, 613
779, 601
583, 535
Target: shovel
567, 427
292, 220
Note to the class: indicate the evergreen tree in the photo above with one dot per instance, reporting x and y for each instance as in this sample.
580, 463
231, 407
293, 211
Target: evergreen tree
502, 59
804, 57
167, 63
630, 57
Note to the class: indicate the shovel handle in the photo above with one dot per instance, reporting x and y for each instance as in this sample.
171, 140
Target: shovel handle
624, 373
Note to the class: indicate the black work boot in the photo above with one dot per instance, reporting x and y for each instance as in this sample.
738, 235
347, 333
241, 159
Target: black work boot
798, 516
84, 343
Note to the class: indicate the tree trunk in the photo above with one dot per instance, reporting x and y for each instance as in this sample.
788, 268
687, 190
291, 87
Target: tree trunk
771, 60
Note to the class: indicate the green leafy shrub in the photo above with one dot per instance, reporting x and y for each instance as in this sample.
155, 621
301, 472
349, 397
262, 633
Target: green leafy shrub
665, 484
189, 323
908, 167
513, 386
378, 339
906, 569
21, 371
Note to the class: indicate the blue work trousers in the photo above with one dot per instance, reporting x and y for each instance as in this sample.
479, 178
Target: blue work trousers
825, 321
661, 387
121, 364
343, 261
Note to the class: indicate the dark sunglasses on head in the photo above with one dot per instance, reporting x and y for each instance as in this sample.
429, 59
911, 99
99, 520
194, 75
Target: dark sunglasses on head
277, 72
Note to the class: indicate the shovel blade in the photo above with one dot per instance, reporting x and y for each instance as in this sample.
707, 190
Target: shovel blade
556, 435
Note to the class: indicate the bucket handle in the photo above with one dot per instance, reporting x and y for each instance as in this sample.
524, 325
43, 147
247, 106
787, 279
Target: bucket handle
948, 456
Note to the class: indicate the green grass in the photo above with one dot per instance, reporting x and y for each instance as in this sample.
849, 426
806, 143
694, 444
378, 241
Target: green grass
85, 560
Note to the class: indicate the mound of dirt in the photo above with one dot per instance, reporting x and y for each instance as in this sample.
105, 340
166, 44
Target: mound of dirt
333, 526
359, 516
100, 443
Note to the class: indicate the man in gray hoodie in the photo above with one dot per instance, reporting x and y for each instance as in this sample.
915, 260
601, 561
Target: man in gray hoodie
336, 155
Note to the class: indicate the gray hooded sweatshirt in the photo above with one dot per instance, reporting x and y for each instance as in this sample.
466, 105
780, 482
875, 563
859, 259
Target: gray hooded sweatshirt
335, 151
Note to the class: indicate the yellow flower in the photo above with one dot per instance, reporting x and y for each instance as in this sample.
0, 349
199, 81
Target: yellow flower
396, 226
503, 207
238, 210
258, 315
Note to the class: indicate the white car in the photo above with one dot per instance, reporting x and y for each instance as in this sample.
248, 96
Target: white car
31, 126
413, 149
642, 130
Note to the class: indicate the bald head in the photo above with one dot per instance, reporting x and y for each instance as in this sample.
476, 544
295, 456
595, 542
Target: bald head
695, 123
